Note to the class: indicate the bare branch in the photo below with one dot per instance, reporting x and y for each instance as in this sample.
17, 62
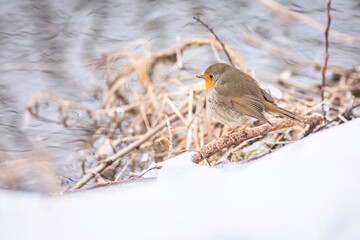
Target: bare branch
248, 133
323, 71
211, 30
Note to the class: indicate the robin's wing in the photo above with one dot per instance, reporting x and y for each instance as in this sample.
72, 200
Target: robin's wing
246, 104
267, 96
251, 106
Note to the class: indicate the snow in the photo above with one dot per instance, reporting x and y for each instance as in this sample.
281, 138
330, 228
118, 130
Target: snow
306, 190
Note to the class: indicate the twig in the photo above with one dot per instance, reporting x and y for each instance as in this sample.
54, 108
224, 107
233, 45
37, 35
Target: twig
135, 176
111, 184
239, 137
122, 170
323, 71
346, 114
170, 136
211, 30
190, 117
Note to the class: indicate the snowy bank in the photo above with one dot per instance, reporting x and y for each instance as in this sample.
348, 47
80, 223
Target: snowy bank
306, 190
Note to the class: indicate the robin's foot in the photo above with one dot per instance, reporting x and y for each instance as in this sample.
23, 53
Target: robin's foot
243, 128
240, 129
232, 130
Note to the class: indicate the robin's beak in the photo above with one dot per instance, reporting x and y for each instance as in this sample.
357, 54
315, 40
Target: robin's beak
200, 76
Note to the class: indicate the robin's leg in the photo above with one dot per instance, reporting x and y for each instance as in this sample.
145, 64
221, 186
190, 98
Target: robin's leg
232, 130
240, 129
243, 128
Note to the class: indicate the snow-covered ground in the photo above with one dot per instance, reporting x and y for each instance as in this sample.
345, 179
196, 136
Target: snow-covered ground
306, 190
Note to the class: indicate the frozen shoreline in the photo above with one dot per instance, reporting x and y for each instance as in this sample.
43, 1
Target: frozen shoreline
306, 190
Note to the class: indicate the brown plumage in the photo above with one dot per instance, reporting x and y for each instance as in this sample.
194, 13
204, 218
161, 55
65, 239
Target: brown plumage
233, 96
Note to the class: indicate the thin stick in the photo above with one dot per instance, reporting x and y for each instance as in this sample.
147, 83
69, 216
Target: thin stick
211, 30
323, 71
346, 113
238, 137
176, 110
156, 167
111, 184
190, 117
179, 61
170, 136
122, 170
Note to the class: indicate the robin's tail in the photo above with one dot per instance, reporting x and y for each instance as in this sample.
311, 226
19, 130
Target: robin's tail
285, 113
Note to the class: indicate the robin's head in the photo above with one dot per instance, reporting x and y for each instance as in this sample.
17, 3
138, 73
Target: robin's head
213, 73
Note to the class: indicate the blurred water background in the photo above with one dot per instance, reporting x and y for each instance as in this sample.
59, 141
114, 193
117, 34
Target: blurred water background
48, 47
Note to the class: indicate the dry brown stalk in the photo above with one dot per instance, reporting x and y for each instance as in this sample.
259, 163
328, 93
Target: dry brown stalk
112, 183
170, 140
237, 138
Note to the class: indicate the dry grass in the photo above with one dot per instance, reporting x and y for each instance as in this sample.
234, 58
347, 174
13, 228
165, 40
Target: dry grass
155, 109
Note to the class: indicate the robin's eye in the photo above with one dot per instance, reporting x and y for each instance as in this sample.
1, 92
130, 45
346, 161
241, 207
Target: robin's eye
211, 76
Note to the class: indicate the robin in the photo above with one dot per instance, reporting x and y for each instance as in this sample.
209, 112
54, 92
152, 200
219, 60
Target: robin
234, 97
